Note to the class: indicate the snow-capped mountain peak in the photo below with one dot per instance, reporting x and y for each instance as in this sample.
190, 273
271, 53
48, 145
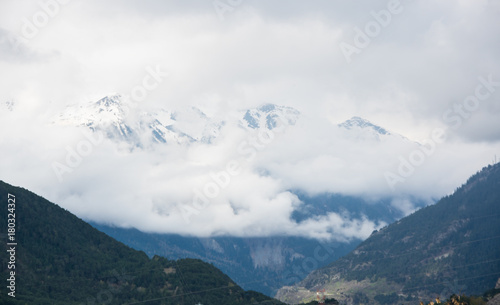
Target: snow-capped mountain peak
107, 115
109, 101
359, 123
107, 111
110, 109
362, 129
268, 116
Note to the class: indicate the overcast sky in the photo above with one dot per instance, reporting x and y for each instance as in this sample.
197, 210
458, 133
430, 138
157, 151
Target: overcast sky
409, 66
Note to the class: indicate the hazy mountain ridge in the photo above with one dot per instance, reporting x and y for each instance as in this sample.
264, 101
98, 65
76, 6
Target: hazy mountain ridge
431, 252
361, 128
357, 122
270, 116
263, 264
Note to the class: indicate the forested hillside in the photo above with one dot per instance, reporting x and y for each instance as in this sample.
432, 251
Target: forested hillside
60, 259
450, 247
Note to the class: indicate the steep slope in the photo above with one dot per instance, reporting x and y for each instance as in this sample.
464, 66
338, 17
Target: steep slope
59, 259
450, 247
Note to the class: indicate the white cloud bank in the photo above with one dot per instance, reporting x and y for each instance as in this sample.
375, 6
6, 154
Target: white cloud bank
220, 188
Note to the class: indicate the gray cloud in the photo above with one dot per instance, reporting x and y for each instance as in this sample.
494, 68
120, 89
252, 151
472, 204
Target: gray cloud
14, 49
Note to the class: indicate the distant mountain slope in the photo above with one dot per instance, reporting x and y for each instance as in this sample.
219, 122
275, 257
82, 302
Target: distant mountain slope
60, 259
264, 264
450, 247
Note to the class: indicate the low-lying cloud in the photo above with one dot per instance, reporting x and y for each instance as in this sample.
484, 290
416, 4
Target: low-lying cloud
213, 189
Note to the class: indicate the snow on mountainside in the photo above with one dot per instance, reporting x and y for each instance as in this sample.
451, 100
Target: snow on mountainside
195, 124
357, 123
112, 116
106, 115
364, 129
107, 111
269, 116
160, 127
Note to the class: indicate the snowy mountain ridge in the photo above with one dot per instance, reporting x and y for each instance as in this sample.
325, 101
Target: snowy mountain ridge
359, 123
363, 129
112, 116
269, 116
